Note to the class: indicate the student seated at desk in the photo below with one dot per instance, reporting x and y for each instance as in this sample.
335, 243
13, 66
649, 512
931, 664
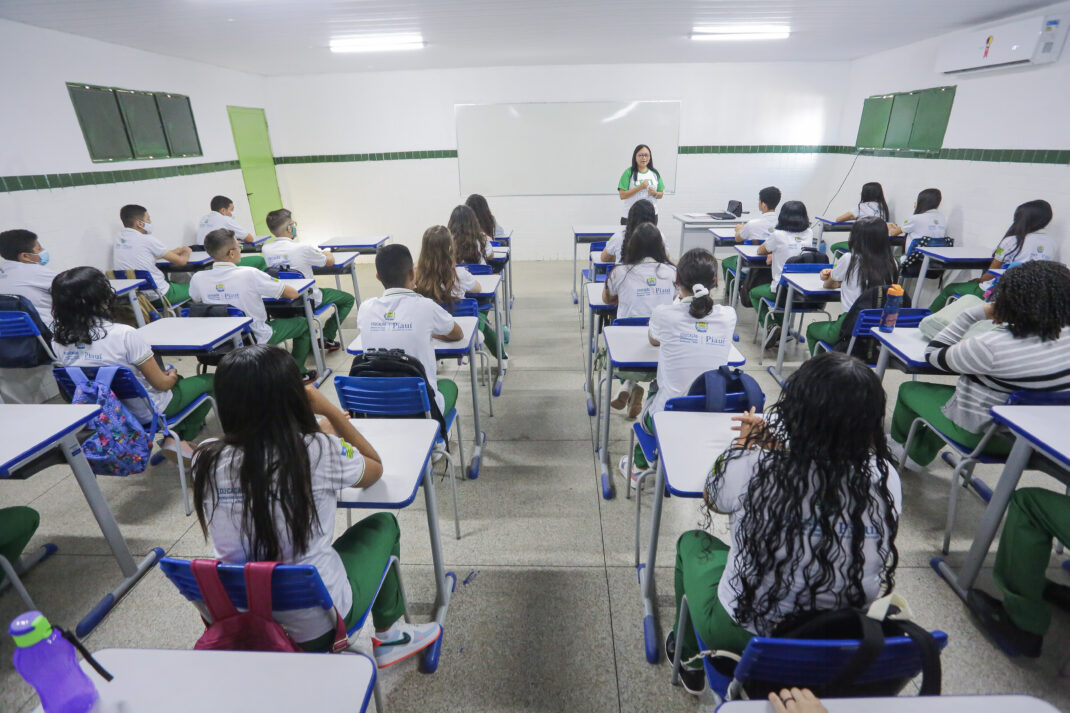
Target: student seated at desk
871, 202
926, 224
228, 283
486, 219
868, 263
836, 478
471, 245
639, 213
1024, 241
284, 250
440, 280
23, 271
279, 473
403, 319
84, 334
756, 230
136, 248
791, 235
1028, 351
693, 336
222, 216
645, 280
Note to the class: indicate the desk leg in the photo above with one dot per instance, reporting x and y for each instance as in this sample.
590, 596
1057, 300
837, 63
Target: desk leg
132, 571
317, 352
442, 593
498, 326
138, 316
592, 408
683, 233
353, 274
921, 281
575, 244
507, 290
608, 486
646, 573
509, 267
785, 330
480, 437
882, 362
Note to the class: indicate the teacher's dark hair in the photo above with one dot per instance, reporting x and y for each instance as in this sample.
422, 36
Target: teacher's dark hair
635, 165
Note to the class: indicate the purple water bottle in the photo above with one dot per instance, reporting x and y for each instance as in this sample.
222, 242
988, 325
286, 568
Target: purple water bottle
48, 663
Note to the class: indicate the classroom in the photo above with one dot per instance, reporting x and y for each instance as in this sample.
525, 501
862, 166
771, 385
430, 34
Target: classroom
556, 357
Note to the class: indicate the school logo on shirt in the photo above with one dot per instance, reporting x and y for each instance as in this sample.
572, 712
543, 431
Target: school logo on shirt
651, 281
389, 316
1040, 249
701, 326
220, 287
347, 450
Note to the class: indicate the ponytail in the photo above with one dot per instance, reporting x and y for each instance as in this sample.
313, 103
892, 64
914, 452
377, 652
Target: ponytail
697, 269
701, 303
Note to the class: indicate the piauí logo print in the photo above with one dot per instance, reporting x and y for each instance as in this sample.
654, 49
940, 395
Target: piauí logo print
651, 281
700, 326
389, 316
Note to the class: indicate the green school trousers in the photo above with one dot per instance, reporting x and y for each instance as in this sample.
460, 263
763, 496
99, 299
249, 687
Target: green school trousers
343, 302
957, 288
700, 564
490, 336
729, 263
637, 457
838, 247
917, 398
756, 295
448, 389
177, 292
826, 331
256, 261
365, 548
185, 392
17, 525
296, 329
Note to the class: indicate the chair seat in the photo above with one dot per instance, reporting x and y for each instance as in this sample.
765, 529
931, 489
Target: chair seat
170, 420
325, 307
647, 442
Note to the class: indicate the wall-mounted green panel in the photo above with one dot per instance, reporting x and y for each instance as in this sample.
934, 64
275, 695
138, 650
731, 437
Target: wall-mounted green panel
930, 121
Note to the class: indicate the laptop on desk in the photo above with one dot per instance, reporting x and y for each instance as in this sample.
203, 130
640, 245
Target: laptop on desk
733, 212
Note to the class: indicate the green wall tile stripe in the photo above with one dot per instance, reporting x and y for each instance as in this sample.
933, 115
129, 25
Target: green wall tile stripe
351, 157
991, 155
94, 178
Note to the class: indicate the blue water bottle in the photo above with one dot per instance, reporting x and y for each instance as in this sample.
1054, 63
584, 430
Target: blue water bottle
48, 663
892, 301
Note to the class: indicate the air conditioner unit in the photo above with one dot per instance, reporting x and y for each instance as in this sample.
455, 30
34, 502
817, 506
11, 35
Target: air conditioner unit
1034, 40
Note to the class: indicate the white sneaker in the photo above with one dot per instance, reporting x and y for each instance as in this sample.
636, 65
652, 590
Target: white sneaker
627, 470
402, 641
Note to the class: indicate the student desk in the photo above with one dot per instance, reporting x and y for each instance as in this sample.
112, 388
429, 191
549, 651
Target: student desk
256, 244
688, 445
503, 258
159, 681
198, 260
405, 445
806, 284
367, 245
597, 306
951, 258
907, 345
828, 225
700, 224
129, 288
587, 234
344, 263
596, 269
465, 346
911, 704
489, 285
749, 259
1037, 429
630, 348
304, 287
30, 431
192, 335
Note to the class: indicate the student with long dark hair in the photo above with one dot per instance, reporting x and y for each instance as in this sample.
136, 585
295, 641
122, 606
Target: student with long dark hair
470, 245
644, 280
268, 491
918, 230
486, 219
84, 333
1024, 241
640, 212
870, 202
868, 263
813, 524
791, 235
640, 182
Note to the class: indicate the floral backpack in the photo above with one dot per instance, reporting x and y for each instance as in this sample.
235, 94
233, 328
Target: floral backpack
119, 445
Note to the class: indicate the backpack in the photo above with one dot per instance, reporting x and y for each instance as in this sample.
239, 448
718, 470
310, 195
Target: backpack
252, 630
808, 256
213, 357
716, 385
395, 362
866, 348
119, 445
24, 352
911, 265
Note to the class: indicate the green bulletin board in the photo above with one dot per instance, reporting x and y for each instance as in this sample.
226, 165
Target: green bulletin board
142, 123
874, 124
930, 121
101, 121
179, 124
914, 120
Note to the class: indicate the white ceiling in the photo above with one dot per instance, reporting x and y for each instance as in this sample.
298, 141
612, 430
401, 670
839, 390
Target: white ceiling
275, 37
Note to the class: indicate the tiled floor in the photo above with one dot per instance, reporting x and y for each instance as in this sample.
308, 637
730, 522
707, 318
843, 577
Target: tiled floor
550, 616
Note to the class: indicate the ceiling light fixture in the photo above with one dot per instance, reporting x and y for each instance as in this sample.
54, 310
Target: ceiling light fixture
378, 43
741, 32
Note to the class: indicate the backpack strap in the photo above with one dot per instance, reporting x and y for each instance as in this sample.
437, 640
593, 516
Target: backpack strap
258, 587
105, 375
755, 396
715, 388
341, 637
215, 596
931, 672
77, 376
869, 648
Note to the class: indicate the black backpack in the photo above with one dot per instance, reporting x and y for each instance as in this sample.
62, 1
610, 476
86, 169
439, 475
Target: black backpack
715, 385
866, 348
808, 256
395, 362
24, 352
213, 357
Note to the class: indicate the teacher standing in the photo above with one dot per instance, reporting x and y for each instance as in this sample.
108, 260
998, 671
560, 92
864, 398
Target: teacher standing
640, 182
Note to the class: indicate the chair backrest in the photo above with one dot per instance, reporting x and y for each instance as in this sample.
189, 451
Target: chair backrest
207, 310
134, 275
465, 307
1039, 398
736, 402
597, 247
290, 275
125, 385
293, 586
477, 269
395, 396
805, 262
631, 321
944, 242
867, 318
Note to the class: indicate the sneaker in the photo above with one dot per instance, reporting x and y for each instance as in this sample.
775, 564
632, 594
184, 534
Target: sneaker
171, 448
309, 377
1057, 594
997, 624
621, 401
693, 679
405, 640
331, 345
627, 470
635, 402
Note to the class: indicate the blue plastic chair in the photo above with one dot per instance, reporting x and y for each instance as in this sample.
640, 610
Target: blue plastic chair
869, 318
401, 397
477, 268
596, 271
127, 388
318, 317
935, 270
150, 284
470, 307
800, 306
20, 328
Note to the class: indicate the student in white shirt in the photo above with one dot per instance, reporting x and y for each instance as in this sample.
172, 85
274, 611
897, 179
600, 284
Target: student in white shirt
268, 491
487, 221
868, 263
229, 283
283, 250
693, 336
756, 230
136, 248
23, 271
871, 202
643, 281
791, 235
640, 182
789, 554
84, 333
440, 280
640, 212
222, 216
1024, 241
471, 246
403, 319
919, 230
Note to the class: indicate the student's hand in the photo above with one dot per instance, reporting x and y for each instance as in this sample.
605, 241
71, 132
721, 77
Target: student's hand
750, 424
319, 403
769, 259
172, 371
825, 274
651, 190
186, 250
796, 701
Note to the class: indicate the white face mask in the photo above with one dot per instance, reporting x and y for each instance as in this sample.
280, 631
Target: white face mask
147, 227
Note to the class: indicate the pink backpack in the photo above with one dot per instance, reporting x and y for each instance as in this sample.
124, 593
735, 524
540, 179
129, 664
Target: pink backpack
252, 630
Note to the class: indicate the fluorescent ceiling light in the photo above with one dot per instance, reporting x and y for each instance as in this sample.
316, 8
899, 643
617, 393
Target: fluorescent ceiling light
741, 32
378, 43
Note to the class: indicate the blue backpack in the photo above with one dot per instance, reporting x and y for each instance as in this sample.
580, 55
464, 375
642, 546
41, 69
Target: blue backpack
120, 445
717, 386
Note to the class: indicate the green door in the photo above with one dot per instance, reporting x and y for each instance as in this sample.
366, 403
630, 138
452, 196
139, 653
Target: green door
251, 138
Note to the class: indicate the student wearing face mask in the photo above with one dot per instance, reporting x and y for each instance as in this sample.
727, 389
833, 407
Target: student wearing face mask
23, 271
222, 216
135, 248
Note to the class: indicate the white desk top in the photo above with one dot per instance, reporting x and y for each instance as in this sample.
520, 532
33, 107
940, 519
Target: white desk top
404, 445
907, 343
957, 254
359, 243
833, 221
501, 252
197, 257
192, 334
911, 704
258, 240
179, 681
342, 259
601, 229
749, 252
1043, 426
688, 444
29, 427
810, 283
301, 284
594, 297
488, 284
443, 349
724, 233
630, 347
121, 287
704, 219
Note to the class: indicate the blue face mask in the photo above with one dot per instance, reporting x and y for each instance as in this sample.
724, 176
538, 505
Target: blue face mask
293, 230
45, 257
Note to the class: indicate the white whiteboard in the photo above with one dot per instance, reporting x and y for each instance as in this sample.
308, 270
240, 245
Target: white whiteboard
562, 148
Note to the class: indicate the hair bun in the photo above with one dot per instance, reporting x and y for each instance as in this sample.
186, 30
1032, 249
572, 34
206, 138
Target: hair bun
699, 290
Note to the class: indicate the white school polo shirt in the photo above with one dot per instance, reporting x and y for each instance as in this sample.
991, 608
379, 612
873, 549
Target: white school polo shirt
29, 280
1036, 246
334, 464
849, 290
616, 244
139, 251
930, 224
243, 287
466, 282
402, 319
120, 345
301, 257
761, 228
783, 245
869, 208
689, 347
216, 220
640, 288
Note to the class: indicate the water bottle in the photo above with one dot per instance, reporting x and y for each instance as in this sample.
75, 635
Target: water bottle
48, 663
892, 301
